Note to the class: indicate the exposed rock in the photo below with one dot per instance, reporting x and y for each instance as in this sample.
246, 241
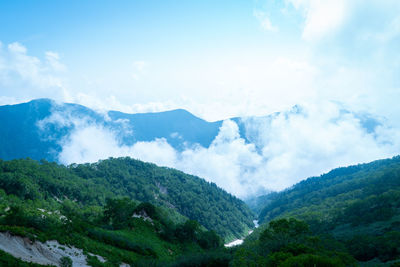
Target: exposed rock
48, 253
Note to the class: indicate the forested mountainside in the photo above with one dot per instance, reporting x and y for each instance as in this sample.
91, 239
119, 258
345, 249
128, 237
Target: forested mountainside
356, 209
124, 210
92, 184
347, 217
361, 188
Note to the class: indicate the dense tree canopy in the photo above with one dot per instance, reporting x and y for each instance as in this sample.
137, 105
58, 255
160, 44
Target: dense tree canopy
93, 183
358, 205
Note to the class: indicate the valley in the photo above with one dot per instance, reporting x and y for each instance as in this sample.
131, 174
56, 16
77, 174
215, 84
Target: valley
125, 212
262, 133
331, 219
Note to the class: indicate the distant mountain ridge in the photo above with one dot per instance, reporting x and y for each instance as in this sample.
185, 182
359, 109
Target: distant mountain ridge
23, 136
36, 129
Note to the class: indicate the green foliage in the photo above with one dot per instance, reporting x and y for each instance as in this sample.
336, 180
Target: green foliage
92, 184
376, 182
188, 231
209, 240
65, 262
248, 256
209, 259
117, 212
6, 260
96, 213
309, 260
118, 240
368, 247
358, 205
289, 242
281, 233
147, 209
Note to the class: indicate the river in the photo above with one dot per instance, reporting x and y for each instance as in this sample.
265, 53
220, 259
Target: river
240, 241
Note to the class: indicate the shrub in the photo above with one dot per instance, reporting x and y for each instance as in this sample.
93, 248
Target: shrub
65, 262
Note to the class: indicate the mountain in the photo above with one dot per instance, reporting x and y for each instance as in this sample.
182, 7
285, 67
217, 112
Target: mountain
121, 209
358, 206
29, 130
125, 177
36, 129
176, 126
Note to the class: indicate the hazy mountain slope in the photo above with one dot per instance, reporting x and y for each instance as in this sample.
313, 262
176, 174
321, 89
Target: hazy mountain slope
176, 126
23, 136
28, 130
37, 129
19, 136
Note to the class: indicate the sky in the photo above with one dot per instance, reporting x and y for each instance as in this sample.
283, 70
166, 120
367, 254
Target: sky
220, 59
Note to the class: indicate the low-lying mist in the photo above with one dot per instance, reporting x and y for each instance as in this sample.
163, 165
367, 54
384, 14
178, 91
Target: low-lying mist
278, 151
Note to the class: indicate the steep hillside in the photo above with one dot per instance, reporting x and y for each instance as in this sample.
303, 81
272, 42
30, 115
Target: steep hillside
92, 184
112, 212
331, 192
358, 205
120, 233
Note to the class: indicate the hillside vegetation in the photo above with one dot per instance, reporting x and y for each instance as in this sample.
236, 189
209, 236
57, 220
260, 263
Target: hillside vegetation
121, 209
92, 184
358, 206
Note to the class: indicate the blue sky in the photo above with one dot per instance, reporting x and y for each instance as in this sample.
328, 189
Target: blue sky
216, 58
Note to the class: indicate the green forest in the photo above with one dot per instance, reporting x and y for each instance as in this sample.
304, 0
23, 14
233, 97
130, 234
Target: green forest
357, 207
132, 212
176, 216
92, 184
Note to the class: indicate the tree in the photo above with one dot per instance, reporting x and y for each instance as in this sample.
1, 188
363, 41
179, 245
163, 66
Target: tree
65, 262
187, 231
280, 233
117, 212
209, 240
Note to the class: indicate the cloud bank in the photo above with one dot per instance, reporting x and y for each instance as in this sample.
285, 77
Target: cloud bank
281, 150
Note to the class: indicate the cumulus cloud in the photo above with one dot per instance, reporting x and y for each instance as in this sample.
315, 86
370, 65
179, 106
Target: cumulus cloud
278, 150
53, 60
353, 20
315, 140
24, 77
321, 17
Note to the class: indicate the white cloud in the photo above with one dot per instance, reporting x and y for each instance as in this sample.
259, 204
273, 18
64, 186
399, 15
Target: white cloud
23, 76
352, 20
265, 21
17, 48
89, 144
321, 17
283, 149
314, 141
53, 59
